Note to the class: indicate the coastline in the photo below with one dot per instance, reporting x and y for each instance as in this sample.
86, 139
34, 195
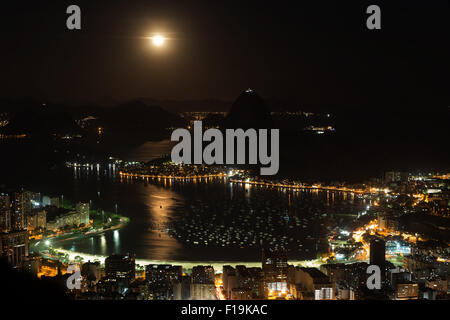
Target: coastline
187, 265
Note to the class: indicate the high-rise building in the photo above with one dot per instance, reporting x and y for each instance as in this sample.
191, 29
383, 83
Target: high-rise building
14, 246
202, 283
255, 282
274, 267
378, 253
387, 222
182, 288
23, 205
396, 176
42, 219
203, 291
38, 219
5, 213
241, 294
161, 278
378, 257
203, 274
91, 273
242, 282
18, 214
310, 284
229, 280
32, 264
35, 199
120, 267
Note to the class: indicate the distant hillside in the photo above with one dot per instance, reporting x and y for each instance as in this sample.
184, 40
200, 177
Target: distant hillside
36, 119
175, 106
137, 116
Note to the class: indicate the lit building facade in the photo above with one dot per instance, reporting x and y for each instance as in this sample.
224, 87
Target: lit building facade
14, 246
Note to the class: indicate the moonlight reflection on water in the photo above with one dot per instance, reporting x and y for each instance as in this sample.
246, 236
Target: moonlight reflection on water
205, 220
160, 204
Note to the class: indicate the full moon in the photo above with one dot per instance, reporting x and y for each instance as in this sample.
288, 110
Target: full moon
158, 40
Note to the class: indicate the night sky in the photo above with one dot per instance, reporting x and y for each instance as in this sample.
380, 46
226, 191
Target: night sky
316, 54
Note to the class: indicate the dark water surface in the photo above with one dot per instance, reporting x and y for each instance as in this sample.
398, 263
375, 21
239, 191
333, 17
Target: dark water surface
227, 222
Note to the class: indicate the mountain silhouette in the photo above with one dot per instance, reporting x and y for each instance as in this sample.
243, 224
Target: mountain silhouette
248, 111
136, 116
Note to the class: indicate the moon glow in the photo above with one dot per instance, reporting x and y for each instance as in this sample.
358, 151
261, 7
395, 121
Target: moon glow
158, 40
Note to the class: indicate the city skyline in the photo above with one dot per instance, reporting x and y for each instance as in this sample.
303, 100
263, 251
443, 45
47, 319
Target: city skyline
244, 151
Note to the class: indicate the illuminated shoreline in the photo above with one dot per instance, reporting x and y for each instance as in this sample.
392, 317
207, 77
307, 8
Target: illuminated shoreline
151, 176
187, 265
250, 182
